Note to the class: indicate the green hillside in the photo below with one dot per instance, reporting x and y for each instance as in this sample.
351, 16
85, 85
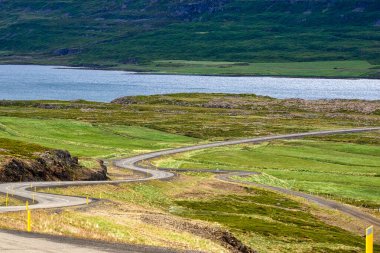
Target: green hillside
126, 33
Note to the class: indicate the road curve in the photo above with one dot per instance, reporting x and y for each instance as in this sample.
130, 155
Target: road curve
24, 190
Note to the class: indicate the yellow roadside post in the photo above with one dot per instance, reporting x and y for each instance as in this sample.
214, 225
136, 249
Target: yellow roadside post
87, 200
100, 195
27, 205
6, 199
369, 240
28, 225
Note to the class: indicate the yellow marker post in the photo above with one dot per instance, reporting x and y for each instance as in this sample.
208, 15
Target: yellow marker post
87, 200
369, 240
6, 199
28, 223
100, 195
27, 205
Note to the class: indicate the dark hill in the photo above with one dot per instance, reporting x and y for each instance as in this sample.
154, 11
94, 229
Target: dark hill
112, 32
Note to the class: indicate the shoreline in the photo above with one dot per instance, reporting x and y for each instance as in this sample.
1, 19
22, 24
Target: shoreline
167, 94
142, 72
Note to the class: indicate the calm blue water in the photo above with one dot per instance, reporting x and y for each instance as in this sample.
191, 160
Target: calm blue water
27, 82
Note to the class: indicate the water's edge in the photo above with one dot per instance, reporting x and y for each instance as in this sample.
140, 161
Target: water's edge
46, 82
142, 72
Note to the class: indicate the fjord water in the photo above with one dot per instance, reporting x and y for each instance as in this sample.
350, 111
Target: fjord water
31, 82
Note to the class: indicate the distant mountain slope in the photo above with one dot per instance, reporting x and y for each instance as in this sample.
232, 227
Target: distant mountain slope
104, 32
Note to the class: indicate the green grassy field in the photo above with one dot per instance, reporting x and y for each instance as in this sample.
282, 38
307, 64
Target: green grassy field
22, 149
86, 139
333, 69
344, 171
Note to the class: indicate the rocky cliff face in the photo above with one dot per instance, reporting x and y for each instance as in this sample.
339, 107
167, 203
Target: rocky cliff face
55, 165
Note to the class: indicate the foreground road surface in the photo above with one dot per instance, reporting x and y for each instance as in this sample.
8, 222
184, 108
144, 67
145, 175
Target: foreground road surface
14, 241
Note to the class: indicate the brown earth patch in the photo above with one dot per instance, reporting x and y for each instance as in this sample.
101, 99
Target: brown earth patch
205, 189
217, 234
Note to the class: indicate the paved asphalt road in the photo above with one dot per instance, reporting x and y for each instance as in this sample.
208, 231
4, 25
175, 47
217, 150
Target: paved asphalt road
43, 200
16, 241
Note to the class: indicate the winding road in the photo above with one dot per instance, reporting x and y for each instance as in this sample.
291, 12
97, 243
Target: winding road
25, 191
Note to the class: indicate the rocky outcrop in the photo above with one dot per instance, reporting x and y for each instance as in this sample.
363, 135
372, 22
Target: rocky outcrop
253, 102
127, 100
54, 165
99, 174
